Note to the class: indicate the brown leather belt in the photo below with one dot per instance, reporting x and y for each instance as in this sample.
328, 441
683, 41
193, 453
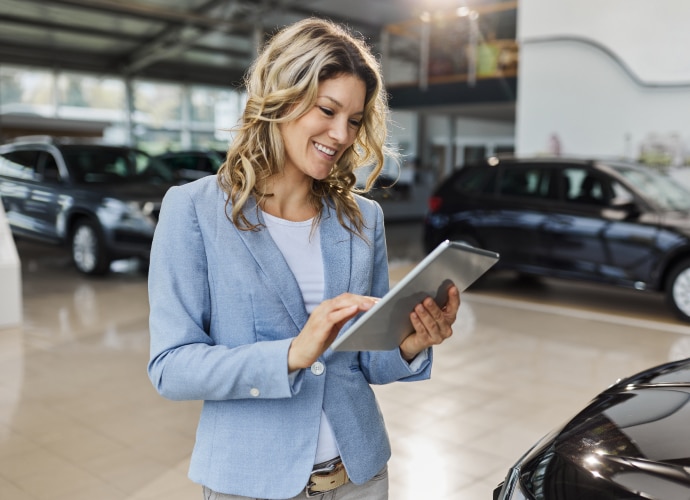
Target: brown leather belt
326, 477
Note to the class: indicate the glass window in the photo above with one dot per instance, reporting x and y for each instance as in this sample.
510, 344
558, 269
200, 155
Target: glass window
525, 181
218, 109
158, 105
588, 187
661, 189
156, 142
26, 90
86, 91
207, 101
47, 168
20, 164
209, 140
103, 165
474, 180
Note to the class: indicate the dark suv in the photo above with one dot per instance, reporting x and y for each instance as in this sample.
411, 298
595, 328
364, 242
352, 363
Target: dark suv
103, 201
600, 221
190, 165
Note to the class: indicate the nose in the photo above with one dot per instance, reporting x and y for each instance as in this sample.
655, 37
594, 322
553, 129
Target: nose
339, 131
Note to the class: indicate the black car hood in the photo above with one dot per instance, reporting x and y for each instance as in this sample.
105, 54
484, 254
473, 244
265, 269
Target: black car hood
632, 441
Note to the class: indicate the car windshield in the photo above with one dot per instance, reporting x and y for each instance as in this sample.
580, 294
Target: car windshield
661, 189
99, 165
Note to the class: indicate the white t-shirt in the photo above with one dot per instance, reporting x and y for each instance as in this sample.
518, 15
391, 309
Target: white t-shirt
301, 248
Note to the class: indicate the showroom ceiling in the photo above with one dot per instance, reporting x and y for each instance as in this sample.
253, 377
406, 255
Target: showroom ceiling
195, 41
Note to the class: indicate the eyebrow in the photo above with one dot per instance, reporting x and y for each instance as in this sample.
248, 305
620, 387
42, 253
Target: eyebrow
338, 103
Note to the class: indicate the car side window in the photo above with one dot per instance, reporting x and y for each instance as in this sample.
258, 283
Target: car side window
47, 168
587, 187
621, 194
20, 164
529, 182
474, 180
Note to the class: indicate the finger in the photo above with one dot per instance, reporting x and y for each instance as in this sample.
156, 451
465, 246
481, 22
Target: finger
348, 299
429, 323
340, 316
453, 299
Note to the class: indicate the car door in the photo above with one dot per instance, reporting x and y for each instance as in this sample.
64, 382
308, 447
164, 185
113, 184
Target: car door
590, 238
46, 201
512, 226
17, 172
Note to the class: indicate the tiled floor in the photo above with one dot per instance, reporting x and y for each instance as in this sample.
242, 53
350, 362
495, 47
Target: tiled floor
80, 420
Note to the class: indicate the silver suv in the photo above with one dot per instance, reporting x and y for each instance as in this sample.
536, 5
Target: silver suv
100, 200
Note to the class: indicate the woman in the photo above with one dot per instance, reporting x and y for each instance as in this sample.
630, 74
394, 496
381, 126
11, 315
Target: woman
255, 272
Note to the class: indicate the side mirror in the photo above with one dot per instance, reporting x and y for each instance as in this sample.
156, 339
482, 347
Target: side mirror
621, 208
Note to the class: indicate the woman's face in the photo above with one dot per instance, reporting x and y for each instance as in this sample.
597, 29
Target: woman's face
316, 141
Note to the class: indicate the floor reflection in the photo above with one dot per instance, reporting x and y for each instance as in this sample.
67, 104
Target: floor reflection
79, 418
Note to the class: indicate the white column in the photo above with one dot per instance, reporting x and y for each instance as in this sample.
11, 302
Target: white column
10, 277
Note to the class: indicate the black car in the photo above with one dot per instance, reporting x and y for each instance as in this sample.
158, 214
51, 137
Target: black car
631, 442
101, 200
601, 221
189, 165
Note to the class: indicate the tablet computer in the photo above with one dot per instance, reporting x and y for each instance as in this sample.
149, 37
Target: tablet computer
387, 323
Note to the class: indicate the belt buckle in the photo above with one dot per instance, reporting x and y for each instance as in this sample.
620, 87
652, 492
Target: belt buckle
309, 494
325, 469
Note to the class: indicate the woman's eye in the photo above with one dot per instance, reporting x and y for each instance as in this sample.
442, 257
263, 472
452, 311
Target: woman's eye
356, 123
326, 111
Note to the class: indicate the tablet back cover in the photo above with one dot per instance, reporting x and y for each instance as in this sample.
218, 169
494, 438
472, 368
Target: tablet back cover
384, 326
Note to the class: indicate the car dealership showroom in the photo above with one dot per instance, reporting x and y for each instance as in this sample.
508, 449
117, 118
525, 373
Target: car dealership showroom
550, 135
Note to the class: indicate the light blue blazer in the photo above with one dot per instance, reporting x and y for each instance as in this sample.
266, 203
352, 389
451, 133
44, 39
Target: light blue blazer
224, 308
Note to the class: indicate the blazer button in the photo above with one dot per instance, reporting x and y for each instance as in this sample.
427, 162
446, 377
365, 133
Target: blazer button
317, 368
254, 391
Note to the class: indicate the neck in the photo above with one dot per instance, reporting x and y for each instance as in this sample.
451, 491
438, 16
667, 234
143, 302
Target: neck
289, 201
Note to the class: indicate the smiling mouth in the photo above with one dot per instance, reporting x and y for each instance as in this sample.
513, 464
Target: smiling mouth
324, 149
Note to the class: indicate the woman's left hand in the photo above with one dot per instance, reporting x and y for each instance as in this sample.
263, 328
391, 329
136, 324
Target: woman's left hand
432, 324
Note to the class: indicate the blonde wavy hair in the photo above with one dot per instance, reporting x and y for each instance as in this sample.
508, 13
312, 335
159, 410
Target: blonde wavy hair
282, 85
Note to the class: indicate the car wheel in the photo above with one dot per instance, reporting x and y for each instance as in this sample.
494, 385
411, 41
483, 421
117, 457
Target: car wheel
88, 249
678, 290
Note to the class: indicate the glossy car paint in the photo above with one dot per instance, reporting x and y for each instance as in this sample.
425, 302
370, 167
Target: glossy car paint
630, 241
53, 200
631, 442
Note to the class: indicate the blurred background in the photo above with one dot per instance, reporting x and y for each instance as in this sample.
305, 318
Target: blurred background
151, 89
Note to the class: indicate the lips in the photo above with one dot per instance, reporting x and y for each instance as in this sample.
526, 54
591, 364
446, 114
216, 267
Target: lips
324, 149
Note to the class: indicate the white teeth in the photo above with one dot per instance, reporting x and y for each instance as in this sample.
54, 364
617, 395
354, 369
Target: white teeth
324, 149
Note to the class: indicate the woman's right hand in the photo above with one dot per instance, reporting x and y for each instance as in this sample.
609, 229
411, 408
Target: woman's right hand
323, 326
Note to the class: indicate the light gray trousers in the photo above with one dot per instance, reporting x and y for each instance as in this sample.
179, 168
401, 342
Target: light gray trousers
375, 489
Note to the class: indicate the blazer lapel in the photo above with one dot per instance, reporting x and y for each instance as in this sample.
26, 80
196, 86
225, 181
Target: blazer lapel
272, 263
336, 247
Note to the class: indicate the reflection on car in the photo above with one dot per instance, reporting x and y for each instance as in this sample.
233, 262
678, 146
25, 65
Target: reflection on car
101, 200
631, 442
599, 221
190, 165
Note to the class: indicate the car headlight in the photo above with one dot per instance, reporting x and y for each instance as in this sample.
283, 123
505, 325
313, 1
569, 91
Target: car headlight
130, 212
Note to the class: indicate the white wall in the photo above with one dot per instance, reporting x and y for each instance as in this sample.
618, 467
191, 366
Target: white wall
593, 104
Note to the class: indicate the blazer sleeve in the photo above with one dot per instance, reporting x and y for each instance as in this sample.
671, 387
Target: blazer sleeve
383, 367
185, 363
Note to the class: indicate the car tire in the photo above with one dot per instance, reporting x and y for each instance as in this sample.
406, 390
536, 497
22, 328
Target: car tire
88, 248
678, 290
